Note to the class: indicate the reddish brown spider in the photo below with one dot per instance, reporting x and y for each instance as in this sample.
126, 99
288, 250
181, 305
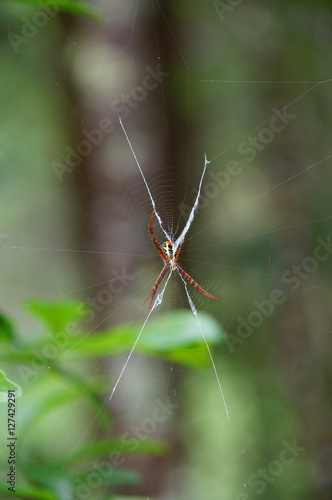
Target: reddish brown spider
166, 252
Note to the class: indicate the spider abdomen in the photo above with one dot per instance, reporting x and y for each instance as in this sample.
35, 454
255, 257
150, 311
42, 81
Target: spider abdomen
168, 248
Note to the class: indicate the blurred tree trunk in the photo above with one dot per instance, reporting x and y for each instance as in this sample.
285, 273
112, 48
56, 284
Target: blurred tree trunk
296, 321
116, 60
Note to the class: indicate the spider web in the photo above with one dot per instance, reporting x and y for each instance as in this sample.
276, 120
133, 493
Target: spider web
177, 243
241, 243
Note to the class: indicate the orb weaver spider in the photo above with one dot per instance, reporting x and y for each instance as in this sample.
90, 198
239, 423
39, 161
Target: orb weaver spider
170, 260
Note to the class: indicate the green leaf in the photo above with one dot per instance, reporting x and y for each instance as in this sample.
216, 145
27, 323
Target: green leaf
122, 446
6, 329
177, 337
71, 6
27, 492
58, 315
24, 355
5, 386
194, 357
180, 329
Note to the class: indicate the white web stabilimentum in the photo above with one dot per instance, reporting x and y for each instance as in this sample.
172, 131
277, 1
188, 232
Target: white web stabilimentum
182, 236
158, 300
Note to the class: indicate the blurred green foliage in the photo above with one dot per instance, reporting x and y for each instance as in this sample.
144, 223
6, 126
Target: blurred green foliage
57, 381
276, 382
71, 6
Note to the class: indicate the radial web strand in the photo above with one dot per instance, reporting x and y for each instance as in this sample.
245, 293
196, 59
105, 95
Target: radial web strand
156, 303
146, 184
194, 311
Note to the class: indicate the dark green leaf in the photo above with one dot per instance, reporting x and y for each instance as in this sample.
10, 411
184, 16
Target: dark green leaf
71, 6
6, 329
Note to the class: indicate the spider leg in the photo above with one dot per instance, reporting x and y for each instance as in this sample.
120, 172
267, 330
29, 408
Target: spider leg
157, 283
156, 244
194, 284
178, 251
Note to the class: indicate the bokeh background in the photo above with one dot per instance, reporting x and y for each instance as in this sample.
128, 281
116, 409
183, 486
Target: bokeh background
73, 223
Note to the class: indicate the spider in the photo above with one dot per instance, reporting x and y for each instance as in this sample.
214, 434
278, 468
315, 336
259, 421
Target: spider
170, 260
